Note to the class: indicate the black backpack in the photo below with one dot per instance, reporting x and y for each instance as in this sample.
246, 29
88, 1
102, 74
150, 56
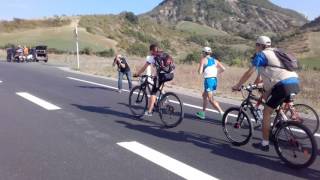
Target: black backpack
165, 66
289, 62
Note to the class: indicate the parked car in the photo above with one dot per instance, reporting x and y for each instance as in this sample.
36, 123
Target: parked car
41, 53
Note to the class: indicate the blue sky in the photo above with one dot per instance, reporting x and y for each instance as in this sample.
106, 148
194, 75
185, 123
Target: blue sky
41, 8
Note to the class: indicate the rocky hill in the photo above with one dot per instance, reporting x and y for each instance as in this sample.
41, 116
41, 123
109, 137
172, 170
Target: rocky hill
243, 17
313, 25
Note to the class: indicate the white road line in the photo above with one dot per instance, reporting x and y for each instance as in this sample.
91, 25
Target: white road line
165, 161
185, 104
93, 83
46, 105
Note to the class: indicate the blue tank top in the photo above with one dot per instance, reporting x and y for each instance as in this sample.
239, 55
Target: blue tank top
210, 69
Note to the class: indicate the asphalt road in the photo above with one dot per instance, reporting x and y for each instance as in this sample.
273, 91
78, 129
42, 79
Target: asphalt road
92, 135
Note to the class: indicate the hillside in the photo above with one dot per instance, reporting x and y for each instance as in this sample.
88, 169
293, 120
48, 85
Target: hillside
135, 33
243, 17
57, 36
305, 44
180, 27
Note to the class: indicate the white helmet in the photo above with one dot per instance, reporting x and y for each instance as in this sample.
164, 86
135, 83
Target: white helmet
207, 50
264, 40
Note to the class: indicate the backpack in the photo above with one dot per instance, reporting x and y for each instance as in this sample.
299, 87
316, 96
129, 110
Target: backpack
165, 66
289, 62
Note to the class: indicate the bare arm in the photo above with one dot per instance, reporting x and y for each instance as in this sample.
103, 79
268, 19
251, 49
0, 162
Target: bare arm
142, 69
201, 64
244, 78
258, 79
114, 62
122, 65
221, 68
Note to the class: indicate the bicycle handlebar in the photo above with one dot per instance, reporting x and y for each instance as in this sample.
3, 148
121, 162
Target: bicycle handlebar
251, 87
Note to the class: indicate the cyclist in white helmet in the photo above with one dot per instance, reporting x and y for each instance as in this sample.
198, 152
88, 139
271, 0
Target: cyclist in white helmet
210, 68
278, 83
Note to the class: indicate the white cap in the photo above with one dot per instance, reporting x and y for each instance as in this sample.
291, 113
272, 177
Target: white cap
207, 50
264, 40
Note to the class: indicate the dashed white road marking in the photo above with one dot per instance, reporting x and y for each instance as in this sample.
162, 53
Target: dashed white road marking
185, 104
46, 105
165, 161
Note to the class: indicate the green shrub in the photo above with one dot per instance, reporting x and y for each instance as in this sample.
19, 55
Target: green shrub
90, 30
56, 51
165, 44
131, 17
86, 50
200, 40
192, 58
145, 38
138, 49
106, 53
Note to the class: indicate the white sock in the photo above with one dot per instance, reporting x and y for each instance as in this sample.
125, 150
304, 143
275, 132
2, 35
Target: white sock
265, 143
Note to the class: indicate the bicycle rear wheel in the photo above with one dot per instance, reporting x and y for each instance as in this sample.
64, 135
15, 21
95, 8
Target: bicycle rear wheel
237, 126
171, 110
304, 114
294, 151
138, 101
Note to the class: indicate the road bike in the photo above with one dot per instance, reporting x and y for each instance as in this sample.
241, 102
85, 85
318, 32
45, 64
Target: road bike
293, 141
301, 113
168, 104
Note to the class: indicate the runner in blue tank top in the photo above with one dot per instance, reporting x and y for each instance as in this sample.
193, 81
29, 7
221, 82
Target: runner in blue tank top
210, 68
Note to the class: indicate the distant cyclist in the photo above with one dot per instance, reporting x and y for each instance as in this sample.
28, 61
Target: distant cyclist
154, 50
210, 68
278, 83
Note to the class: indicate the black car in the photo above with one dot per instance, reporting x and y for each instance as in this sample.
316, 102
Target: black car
41, 53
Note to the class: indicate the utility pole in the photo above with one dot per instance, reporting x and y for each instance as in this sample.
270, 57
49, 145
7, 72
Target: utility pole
77, 45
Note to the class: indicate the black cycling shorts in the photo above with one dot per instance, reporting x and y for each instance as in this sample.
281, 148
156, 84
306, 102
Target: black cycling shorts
156, 86
281, 93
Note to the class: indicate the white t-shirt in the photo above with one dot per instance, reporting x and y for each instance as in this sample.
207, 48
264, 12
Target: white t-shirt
150, 60
151, 69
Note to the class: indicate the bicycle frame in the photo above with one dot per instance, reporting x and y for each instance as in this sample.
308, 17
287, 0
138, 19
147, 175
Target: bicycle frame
248, 104
146, 85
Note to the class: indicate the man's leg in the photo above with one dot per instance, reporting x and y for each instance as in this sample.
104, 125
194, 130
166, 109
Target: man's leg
267, 111
120, 77
214, 103
264, 145
129, 79
202, 114
204, 101
152, 100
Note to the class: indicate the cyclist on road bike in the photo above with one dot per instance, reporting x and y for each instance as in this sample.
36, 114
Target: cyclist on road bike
154, 50
210, 68
278, 83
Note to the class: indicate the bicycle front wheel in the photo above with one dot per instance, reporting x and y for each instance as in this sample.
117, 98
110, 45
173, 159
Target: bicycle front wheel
138, 101
306, 115
171, 110
294, 151
237, 126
